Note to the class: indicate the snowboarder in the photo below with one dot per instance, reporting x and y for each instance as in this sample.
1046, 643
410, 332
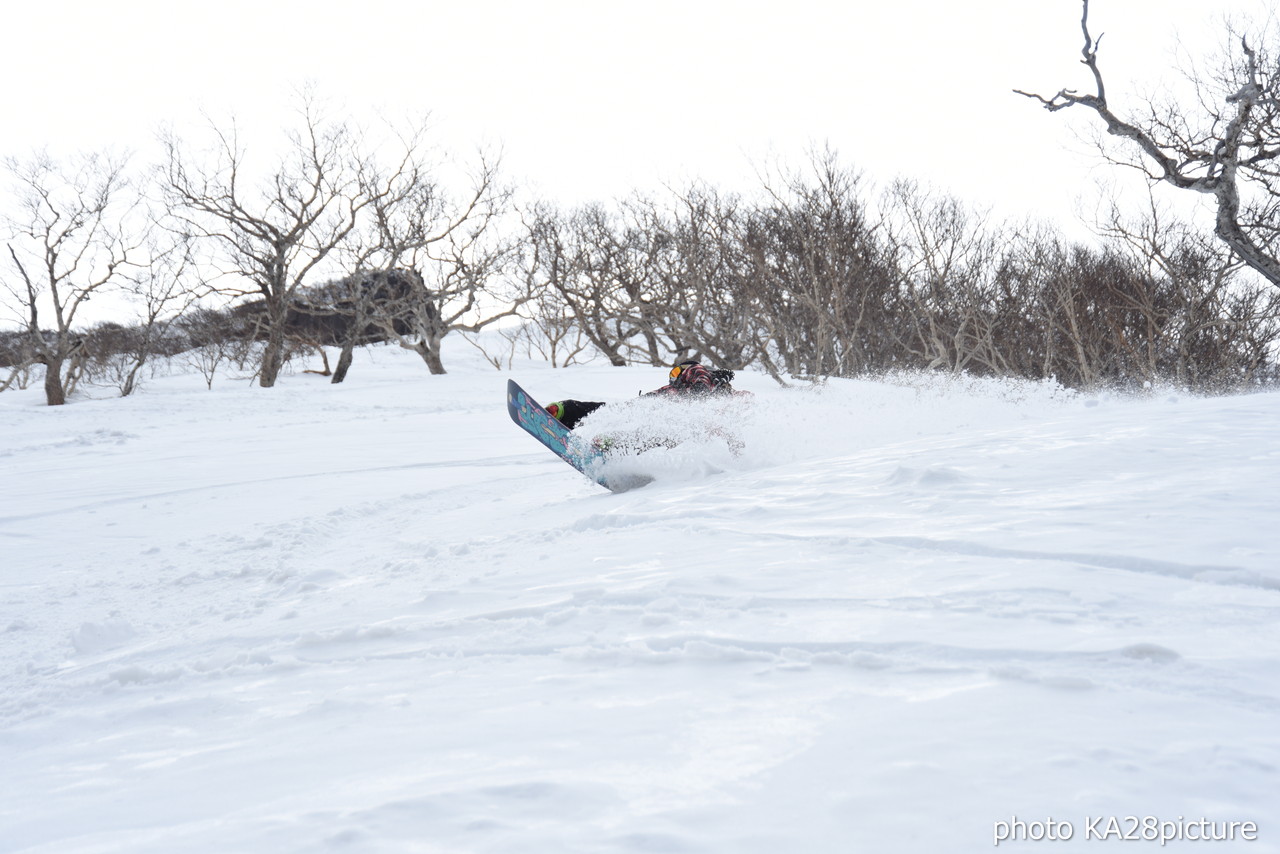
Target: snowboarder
689, 378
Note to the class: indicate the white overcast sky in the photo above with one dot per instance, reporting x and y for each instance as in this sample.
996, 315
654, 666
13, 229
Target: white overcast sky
590, 100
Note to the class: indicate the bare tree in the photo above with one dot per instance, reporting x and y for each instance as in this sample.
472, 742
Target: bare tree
72, 236
576, 256
1228, 153
550, 325
1194, 322
946, 259
274, 233
546, 331
160, 287
212, 337
403, 197
428, 261
700, 299
350, 302
571, 256
822, 271
163, 291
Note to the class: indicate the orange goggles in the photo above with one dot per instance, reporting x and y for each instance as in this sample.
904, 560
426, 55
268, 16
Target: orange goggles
676, 372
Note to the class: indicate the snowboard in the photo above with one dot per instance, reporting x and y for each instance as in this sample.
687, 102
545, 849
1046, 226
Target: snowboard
589, 460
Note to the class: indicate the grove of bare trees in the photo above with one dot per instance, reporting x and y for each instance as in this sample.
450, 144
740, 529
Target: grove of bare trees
235, 257
821, 277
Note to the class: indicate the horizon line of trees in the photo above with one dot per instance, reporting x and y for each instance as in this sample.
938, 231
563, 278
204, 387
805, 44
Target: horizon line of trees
818, 276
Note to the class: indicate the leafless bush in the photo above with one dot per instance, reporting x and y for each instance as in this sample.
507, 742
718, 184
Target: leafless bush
17, 359
161, 288
582, 259
821, 274
215, 338
700, 301
545, 334
948, 302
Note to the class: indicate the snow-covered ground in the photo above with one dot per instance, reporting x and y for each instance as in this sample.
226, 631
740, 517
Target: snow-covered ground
379, 617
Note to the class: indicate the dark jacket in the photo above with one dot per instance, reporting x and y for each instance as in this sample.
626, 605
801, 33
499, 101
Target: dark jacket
687, 378
693, 378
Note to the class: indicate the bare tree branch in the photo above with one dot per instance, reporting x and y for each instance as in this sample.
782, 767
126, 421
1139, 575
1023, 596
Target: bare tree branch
1245, 139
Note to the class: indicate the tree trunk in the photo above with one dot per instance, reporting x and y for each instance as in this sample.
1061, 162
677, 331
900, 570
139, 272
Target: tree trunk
430, 353
131, 381
344, 361
273, 354
54, 393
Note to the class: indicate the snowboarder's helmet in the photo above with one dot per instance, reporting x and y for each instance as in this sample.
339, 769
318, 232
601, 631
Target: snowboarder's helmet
681, 368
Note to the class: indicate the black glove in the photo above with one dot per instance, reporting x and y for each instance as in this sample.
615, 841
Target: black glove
722, 376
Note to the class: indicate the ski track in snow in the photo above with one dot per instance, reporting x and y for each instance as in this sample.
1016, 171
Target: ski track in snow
378, 617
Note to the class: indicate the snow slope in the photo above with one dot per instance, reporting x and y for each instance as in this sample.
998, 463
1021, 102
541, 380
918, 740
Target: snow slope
378, 617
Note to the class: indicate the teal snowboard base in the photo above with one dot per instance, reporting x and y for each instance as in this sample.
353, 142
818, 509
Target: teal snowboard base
541, 425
